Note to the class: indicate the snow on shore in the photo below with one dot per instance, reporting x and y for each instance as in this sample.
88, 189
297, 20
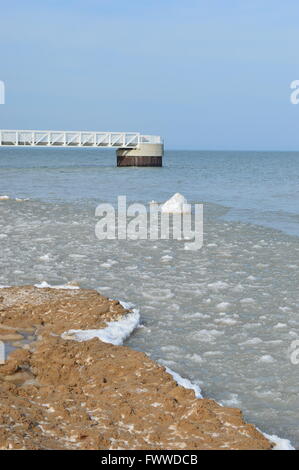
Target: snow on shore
116, 332
185, 382
280, 444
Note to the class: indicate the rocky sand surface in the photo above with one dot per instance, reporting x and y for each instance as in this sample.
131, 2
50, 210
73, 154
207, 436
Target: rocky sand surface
58, 393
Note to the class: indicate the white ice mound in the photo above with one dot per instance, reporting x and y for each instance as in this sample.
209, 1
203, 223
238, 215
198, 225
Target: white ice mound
177, 204
115, 332
4, 198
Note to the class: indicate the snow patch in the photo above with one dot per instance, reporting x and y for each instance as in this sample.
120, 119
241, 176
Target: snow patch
280, 444
116, 332
186, 383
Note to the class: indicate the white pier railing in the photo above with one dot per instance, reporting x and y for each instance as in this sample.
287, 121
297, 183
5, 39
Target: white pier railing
75, 139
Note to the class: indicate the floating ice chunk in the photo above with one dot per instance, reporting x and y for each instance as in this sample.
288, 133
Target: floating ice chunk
227, 321
109, 263
166, 258
213, 353
194, 357
207, 336
251, 341
219, 285
44, 285
158, 294
232, 401
285, 309
223, 306
177, 204
44, 258
17, 199
280, 325
171, 348
238, 288
267, 358
198, 315
247, 301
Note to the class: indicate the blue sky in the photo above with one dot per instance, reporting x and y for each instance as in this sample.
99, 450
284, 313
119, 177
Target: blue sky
204, 74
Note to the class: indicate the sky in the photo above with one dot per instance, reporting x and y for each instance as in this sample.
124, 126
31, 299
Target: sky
203, 74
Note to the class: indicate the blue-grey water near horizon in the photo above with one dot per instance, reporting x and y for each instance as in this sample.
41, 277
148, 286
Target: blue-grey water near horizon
224, 317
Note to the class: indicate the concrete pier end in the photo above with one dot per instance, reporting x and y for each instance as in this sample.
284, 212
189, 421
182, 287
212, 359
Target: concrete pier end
145, 154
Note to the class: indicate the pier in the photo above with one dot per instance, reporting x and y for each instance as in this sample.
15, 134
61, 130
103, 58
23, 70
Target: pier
132, 148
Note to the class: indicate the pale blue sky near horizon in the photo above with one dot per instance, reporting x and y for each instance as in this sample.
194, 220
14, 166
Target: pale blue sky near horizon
204, 74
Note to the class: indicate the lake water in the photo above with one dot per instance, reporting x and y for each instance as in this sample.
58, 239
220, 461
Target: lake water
224, 316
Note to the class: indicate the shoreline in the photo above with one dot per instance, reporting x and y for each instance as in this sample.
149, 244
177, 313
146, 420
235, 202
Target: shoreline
144, 406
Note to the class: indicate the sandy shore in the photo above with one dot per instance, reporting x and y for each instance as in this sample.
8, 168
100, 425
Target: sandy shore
58, 393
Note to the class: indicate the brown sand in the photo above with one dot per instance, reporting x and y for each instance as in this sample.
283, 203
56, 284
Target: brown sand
63, 394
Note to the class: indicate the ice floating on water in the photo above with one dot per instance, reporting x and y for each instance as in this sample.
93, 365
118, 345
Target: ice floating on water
44, 285
267, 358
218, 285
223, 306
44, 258
166, 258
177, 204
17, 199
